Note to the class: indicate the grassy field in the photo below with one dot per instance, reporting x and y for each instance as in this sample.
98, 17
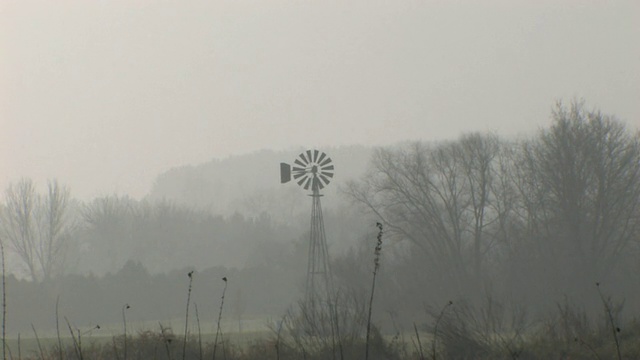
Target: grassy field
241, 335
257, 341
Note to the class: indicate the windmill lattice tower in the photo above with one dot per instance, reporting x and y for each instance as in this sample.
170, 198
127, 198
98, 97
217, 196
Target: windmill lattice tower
313, 170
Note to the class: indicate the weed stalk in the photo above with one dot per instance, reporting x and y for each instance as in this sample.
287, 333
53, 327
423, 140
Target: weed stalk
124, 321
435, 330
218, 332
114, 344
186, 321
376, 265
614, 329
593, 351
277, 345
337, 325
166, 341
4, 305
58, 329
199, 330
76, 345
419, 342
35, 333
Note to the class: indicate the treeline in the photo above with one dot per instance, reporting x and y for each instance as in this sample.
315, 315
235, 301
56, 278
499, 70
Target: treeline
164, 236
530, 222
51, 234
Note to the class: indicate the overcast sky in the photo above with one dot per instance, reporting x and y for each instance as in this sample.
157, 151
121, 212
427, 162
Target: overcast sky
105, 95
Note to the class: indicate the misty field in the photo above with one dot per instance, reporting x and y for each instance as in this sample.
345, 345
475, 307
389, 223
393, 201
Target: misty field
457, 332
474, 248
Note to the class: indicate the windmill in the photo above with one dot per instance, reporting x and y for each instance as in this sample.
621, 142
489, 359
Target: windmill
313, 170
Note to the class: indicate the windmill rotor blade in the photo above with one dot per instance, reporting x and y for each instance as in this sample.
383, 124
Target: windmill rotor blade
324, 178
306, 184
327, 161
315, 155
301, 181
303, 156
327, 179
327, 173
322, 156
297, 161
296, 176
299, 172
298, 169
320, 184
309, 156
328, 167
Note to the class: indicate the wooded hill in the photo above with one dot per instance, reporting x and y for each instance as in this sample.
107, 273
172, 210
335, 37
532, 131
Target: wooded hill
249, 184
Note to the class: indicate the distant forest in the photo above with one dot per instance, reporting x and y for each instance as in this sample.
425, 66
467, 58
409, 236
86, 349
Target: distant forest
249, 184
527, 223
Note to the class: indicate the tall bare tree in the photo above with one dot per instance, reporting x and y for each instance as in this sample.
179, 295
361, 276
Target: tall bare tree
37, 227
442, 198
581, 190
19, 222
55, 228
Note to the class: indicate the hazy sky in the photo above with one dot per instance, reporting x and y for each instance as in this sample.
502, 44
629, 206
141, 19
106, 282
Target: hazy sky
105, 95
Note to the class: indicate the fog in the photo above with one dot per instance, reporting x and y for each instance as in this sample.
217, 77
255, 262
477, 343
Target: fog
497, 143
105, 95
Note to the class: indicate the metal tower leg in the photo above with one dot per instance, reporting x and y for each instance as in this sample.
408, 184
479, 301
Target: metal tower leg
319, 284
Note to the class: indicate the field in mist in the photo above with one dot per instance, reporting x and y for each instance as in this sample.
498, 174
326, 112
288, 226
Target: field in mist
491, 248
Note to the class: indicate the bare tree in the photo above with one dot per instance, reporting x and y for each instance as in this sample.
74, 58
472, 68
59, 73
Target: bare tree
110, 220
442, 198
477, 155
18, 222
581, 191
55, 228
38, 227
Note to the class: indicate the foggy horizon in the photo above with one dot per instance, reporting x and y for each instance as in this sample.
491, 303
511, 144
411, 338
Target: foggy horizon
443, 179
105, 96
